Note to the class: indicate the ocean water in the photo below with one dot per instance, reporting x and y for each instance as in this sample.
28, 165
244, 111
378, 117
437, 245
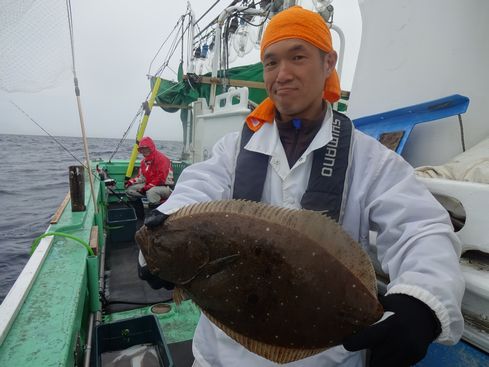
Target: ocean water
34, 175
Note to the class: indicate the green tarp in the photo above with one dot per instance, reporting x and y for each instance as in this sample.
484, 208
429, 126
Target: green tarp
186, 92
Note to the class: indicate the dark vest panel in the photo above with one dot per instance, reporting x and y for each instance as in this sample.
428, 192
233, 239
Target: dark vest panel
328, 181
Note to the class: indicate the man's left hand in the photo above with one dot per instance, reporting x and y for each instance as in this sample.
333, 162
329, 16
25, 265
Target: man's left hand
402, 339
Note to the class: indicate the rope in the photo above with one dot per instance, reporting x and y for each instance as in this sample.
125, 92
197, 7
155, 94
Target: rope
52, 137
124, 136
164, 42
171, 51
35, 243
234, 2
208, 10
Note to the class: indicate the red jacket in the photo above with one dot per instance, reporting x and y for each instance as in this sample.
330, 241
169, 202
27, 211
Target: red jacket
156, 168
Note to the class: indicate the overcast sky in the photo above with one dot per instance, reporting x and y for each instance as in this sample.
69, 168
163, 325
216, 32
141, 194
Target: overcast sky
115, 42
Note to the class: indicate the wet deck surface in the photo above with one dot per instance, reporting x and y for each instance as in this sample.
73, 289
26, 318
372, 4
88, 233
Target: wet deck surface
125, 291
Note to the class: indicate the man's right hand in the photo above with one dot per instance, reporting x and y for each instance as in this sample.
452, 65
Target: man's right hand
156, 219
128, 183
153, 281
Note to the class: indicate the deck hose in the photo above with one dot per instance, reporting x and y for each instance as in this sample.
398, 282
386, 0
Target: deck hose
92, 266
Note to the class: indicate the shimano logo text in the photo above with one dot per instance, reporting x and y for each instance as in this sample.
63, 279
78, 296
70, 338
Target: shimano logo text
331, 149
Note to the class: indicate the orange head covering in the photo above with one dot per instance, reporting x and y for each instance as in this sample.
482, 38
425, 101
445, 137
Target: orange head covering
295, 22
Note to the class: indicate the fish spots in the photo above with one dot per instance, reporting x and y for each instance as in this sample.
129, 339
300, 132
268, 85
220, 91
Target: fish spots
281, 262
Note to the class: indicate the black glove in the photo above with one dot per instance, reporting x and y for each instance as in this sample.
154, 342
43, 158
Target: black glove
153, 281
156, 219
402, 339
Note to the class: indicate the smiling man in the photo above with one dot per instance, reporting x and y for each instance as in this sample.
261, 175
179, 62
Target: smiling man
294, 151
294, 74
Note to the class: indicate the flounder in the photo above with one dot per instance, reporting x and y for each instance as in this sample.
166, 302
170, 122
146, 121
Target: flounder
284, 283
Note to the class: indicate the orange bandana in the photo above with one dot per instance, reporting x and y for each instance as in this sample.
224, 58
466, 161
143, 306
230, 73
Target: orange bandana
295, 22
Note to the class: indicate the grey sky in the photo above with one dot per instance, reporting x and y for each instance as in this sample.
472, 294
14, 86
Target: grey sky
114, 43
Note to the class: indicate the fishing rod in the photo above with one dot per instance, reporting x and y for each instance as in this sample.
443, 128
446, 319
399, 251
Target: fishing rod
107, 181
51, 136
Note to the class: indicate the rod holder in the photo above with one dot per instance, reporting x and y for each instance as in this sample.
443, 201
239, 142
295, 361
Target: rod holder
77, 188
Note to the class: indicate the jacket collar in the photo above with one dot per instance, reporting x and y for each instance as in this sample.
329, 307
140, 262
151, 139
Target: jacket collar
267, 137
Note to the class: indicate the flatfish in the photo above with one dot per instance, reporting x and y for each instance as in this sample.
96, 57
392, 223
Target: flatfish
284, 283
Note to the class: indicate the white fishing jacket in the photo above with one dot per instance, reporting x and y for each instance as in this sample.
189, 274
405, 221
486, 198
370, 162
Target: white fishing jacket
415, 243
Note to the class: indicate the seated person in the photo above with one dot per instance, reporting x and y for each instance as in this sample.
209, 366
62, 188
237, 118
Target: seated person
154, 179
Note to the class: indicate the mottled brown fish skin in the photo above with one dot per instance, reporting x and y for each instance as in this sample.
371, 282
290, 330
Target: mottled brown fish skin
274, 284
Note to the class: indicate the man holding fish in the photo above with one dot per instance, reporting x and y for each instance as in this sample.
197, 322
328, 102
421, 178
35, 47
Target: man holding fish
295, 152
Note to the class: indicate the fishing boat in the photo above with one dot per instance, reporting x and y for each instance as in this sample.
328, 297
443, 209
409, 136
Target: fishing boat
419, 87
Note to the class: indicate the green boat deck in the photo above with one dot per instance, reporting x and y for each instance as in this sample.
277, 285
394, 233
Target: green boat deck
51, 326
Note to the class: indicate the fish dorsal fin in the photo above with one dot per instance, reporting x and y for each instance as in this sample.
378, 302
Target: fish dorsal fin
309, 223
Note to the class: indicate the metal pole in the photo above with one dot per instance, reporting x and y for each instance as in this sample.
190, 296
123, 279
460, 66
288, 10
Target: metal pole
217, 47
85, 146
341, 54
88, 346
